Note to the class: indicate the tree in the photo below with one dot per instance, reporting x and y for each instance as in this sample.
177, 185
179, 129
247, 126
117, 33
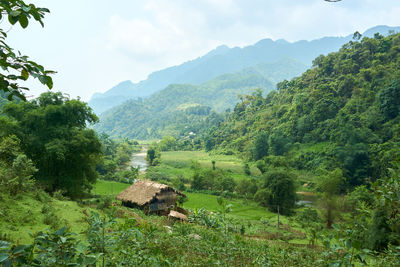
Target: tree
16, 169
385, 227
153, 156
167, 143
279, 144
16, 67
260, 148
389, 100
330, 186
53, 133
279, 190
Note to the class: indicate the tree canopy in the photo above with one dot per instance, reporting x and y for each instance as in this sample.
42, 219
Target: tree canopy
53, 133
342, 113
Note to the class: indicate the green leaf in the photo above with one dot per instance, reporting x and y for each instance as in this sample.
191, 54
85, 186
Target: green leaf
23, 20
25, 74
61, 231
4, 244
12, 19
3, 257
43, 79
90, 259
49, 82
18, 249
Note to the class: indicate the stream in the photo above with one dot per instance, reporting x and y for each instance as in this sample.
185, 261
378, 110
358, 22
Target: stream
139, 160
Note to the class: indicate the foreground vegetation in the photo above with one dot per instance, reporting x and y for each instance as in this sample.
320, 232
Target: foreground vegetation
111, 235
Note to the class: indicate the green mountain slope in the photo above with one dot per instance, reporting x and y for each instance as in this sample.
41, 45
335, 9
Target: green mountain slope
169, 111
342, 113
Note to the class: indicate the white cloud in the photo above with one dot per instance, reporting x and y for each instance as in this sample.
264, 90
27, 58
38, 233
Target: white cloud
134, 37
164, 33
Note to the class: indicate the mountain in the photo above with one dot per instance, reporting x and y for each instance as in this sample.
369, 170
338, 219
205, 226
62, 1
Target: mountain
179, 106
341, 116
224, 60
113, 97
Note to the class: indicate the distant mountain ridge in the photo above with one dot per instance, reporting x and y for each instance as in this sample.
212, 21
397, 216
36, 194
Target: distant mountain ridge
224, 60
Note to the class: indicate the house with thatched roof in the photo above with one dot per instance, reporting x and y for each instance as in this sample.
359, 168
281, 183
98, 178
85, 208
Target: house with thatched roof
149, 196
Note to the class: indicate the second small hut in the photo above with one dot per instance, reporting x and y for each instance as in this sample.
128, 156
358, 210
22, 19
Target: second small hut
150, 196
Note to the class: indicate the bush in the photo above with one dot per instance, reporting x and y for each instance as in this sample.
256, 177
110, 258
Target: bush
50, 218
307, 216
360, 195
104, 203
41, 196
59, 194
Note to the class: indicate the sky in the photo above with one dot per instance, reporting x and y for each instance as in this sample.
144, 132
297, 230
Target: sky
95, 44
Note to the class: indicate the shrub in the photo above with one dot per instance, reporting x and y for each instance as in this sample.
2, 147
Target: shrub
41, 196
59, 194
308, 215
104, 203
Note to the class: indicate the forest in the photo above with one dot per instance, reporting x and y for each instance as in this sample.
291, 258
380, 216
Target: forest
307, 174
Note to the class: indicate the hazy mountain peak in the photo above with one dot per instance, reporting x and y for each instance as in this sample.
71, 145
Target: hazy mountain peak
382, 29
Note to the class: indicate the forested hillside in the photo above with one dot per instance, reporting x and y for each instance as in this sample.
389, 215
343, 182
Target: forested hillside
343, 114
169, 111
224, 60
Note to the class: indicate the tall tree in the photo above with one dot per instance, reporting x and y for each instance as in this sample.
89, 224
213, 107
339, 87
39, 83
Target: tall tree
53, 133
278, 191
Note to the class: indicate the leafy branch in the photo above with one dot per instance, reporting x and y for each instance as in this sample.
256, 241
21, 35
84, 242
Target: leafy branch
16, 67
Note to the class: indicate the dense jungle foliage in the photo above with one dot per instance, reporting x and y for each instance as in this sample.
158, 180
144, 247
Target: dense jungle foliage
342, 113
44, 137
51, 131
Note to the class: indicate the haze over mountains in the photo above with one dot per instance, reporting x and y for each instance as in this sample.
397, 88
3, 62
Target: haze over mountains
224, 60
214, 80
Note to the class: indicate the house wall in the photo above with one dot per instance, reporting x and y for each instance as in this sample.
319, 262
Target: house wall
163, 201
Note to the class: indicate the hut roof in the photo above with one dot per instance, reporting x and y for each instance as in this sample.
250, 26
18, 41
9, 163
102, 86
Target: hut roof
144, 191
177, 215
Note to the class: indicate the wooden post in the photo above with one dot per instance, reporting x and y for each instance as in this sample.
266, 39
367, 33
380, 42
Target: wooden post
278, 217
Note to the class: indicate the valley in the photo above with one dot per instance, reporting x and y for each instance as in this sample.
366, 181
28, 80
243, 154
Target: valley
274, 153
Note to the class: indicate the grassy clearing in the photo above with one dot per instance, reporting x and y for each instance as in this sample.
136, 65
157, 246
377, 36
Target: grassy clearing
108, 187
177, 163
240, 208
225, 162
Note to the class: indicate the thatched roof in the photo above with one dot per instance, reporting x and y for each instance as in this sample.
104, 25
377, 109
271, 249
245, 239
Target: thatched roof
144, 191
177, 215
